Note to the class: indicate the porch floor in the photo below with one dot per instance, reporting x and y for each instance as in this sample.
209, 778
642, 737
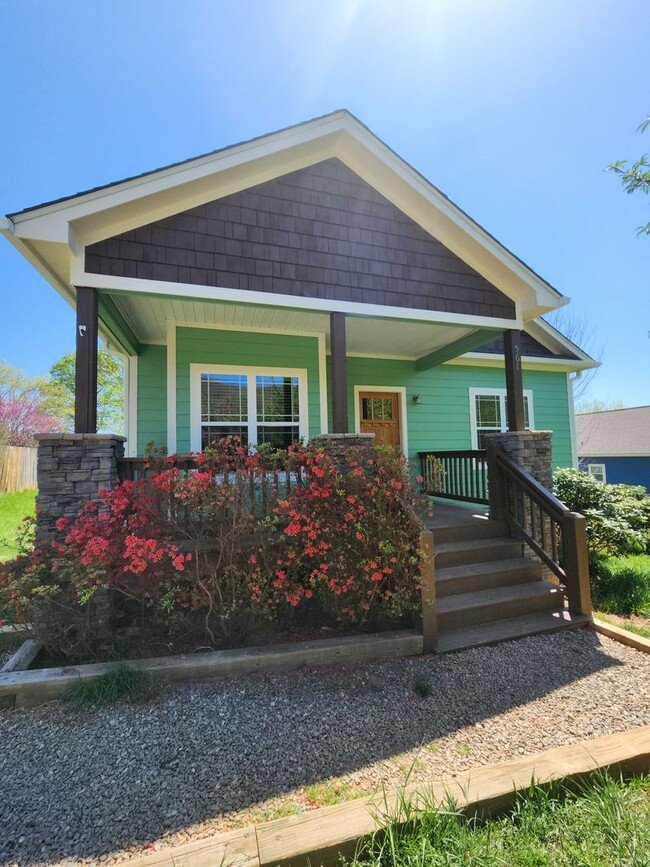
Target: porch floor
446, 514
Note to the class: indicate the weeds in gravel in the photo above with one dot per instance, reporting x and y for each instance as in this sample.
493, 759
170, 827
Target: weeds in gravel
326, 794
422, 686
605, 822
120, 683
464, 749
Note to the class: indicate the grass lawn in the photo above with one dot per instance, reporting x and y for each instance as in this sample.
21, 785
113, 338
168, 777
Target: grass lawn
638, 624
13, 508
607, 823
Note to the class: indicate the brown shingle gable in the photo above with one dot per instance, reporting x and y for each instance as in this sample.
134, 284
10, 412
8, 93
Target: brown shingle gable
320, 232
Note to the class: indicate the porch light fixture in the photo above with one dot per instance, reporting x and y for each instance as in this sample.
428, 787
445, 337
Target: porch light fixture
417, 398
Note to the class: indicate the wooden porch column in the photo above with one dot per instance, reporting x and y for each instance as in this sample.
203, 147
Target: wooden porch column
514, 381
339, 374
85, 395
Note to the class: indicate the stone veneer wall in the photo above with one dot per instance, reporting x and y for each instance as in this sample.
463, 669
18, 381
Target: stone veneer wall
531, 449
72, 469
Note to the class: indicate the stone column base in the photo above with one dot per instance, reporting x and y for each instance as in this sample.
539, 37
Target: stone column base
531, 449
72, 469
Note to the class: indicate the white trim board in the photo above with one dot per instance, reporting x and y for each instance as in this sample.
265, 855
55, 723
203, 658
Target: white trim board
403, 420
501, 393
137, 285
196, 370
131, 406
171, 388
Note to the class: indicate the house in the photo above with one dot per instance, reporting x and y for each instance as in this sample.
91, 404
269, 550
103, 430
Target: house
614, 445
313, 267
306, 282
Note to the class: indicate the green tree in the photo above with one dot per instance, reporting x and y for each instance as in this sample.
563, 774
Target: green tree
635, 177
110, 391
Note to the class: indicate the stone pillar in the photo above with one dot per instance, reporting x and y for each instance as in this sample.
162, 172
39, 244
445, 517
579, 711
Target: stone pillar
335, 444
72, 469
531, 449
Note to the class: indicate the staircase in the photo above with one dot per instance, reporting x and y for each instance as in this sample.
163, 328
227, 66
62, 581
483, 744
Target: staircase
486, 590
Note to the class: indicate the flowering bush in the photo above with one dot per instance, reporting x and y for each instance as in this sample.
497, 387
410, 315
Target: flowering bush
347, 538
244, 535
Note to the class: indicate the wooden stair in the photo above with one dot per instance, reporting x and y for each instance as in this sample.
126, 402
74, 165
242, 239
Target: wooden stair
487, 591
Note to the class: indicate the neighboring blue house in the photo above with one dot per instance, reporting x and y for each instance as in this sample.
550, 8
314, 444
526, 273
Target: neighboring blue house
614, 445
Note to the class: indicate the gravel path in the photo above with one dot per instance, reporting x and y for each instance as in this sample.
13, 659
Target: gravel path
91, 787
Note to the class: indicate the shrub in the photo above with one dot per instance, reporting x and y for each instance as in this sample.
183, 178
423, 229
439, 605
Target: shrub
346, 539
618, 516
247, 536
621, 585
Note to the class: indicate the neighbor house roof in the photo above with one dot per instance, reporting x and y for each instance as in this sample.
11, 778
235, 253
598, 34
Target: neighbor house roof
614, 432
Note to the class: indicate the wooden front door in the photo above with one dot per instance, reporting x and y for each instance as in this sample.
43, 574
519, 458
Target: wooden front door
379, 414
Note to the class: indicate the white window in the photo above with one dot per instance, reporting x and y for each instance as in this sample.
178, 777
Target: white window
258, 405
597, 472
487, 410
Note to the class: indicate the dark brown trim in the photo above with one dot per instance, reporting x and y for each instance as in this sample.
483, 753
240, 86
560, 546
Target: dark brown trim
85, 397
339, 374
514, 380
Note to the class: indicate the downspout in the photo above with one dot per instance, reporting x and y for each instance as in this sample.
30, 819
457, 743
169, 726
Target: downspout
572, 378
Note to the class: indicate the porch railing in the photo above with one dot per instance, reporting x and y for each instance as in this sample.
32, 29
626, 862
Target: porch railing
556, 534
455, 475
262, 486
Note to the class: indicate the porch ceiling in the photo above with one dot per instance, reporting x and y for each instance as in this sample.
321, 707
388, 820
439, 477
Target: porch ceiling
148, 317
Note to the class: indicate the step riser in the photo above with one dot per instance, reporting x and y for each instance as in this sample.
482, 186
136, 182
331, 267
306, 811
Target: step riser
462, 557
473, 583
506, 630
499, 611
466, 532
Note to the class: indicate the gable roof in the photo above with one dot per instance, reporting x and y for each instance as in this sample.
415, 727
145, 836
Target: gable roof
614, 432
53, 235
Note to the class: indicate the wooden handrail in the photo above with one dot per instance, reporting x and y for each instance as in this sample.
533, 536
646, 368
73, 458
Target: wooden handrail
556, 534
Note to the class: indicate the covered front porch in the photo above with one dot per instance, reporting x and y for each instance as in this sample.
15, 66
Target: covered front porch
337, 363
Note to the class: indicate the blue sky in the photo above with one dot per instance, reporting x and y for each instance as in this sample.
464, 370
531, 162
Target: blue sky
512, 107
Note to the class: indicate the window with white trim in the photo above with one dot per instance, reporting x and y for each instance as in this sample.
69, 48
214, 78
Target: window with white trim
597, 472
488, 414
258, 405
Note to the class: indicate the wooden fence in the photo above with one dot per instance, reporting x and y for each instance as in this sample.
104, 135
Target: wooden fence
17, 469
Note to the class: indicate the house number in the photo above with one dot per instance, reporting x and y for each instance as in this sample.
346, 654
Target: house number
517, 355
82, 331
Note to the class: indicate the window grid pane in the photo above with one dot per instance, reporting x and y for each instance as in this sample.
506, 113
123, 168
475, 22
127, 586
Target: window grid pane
277, 399
224, 398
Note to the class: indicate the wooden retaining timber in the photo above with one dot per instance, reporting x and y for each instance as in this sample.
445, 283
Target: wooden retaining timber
35, 687
624, 636
23, 657
320, 837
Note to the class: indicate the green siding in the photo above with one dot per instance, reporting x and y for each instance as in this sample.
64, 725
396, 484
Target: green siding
213, 346
152, 396
442, 420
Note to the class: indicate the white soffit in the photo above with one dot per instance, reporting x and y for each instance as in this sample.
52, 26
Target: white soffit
149, 316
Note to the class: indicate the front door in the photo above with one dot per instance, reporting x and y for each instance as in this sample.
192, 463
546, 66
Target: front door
379, 414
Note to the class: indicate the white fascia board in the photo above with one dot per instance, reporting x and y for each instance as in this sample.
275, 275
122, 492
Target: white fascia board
65, 290
135, 285
554, 340
102, 213
199, 181
529, 362
449, 224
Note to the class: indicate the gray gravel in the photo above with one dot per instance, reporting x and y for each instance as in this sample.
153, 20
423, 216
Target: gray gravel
98, 786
